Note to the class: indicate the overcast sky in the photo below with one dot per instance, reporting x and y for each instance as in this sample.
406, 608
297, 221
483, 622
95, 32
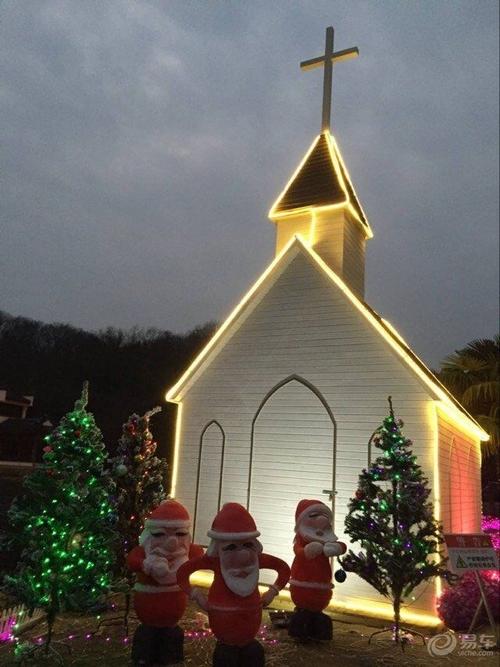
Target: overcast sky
144, 142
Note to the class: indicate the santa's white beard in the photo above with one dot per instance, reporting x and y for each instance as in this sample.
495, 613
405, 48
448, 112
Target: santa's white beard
174, 558
242, 586
322, 535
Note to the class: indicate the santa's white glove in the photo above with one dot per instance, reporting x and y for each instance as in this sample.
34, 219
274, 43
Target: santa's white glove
199, 597
333, 549
156, 567
267, 597
313, 549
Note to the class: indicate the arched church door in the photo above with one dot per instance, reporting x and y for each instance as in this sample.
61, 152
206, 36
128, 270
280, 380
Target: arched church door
208, 480
292, 457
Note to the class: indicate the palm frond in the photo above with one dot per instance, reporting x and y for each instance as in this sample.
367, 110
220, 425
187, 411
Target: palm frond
481, 391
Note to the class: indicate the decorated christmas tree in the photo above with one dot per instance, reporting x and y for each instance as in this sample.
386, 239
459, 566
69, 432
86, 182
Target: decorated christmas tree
140, 476
391, 517
64, 521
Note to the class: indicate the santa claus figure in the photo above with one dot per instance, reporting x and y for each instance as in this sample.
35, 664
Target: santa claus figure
165, 544
234, 605
311, 580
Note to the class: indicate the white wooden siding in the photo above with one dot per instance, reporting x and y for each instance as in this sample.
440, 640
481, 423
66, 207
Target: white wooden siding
293, 453
305, 325
460, 479
209, 482
340, 242
288, 227
354, 257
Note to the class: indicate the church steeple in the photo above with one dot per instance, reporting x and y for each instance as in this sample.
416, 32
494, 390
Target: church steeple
319, 202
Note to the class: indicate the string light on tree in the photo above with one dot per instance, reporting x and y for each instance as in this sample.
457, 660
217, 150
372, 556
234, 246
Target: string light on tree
392, 519
140, 476
64, 521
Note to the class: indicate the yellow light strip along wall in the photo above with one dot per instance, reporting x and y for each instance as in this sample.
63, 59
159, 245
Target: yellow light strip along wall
436, 482
177, 444
362, 607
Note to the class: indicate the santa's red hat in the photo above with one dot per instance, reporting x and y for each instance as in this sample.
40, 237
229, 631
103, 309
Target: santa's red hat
169, 514
233, 522
305, 506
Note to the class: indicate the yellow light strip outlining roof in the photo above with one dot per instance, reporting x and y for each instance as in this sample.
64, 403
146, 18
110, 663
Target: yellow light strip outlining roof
272, 213
172, 394
337, 160
395, 341
460, 421
397, 345
332, 141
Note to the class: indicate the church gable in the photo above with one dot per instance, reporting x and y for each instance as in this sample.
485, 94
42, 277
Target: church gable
314, 309
303, 324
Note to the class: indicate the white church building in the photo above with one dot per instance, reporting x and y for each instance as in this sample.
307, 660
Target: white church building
281, 403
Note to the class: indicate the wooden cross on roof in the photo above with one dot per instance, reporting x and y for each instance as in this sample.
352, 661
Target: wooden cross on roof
327, 61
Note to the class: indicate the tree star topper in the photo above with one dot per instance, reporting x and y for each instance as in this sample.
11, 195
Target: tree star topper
327, 61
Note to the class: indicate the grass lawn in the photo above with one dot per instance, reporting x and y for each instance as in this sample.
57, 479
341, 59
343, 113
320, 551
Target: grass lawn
109, 647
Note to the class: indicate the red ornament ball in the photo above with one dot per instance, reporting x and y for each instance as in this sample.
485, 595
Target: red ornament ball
360, 494
47, 448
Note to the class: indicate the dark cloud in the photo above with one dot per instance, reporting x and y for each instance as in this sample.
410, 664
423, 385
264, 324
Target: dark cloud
143, 143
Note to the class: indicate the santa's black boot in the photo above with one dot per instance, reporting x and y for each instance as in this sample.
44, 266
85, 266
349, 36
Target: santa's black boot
226, 656
322, 628
300, 626
143, 646
252, 655
170, 646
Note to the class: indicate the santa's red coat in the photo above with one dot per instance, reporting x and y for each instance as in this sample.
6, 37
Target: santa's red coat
155, 604
234, 620
311, 581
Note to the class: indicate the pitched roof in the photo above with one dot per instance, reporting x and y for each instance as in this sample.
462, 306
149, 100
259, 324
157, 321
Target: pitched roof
296, 244
12, 397
320, 181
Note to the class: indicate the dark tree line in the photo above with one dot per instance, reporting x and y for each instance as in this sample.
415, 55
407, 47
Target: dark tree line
128, 371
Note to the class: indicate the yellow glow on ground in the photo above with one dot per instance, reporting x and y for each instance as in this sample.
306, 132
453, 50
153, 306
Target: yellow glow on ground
361, 607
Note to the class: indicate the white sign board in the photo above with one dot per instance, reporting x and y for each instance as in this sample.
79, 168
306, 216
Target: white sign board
471, 552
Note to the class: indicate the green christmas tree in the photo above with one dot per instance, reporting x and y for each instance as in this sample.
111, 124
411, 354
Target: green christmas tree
392, 518
63, 521
140, 476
